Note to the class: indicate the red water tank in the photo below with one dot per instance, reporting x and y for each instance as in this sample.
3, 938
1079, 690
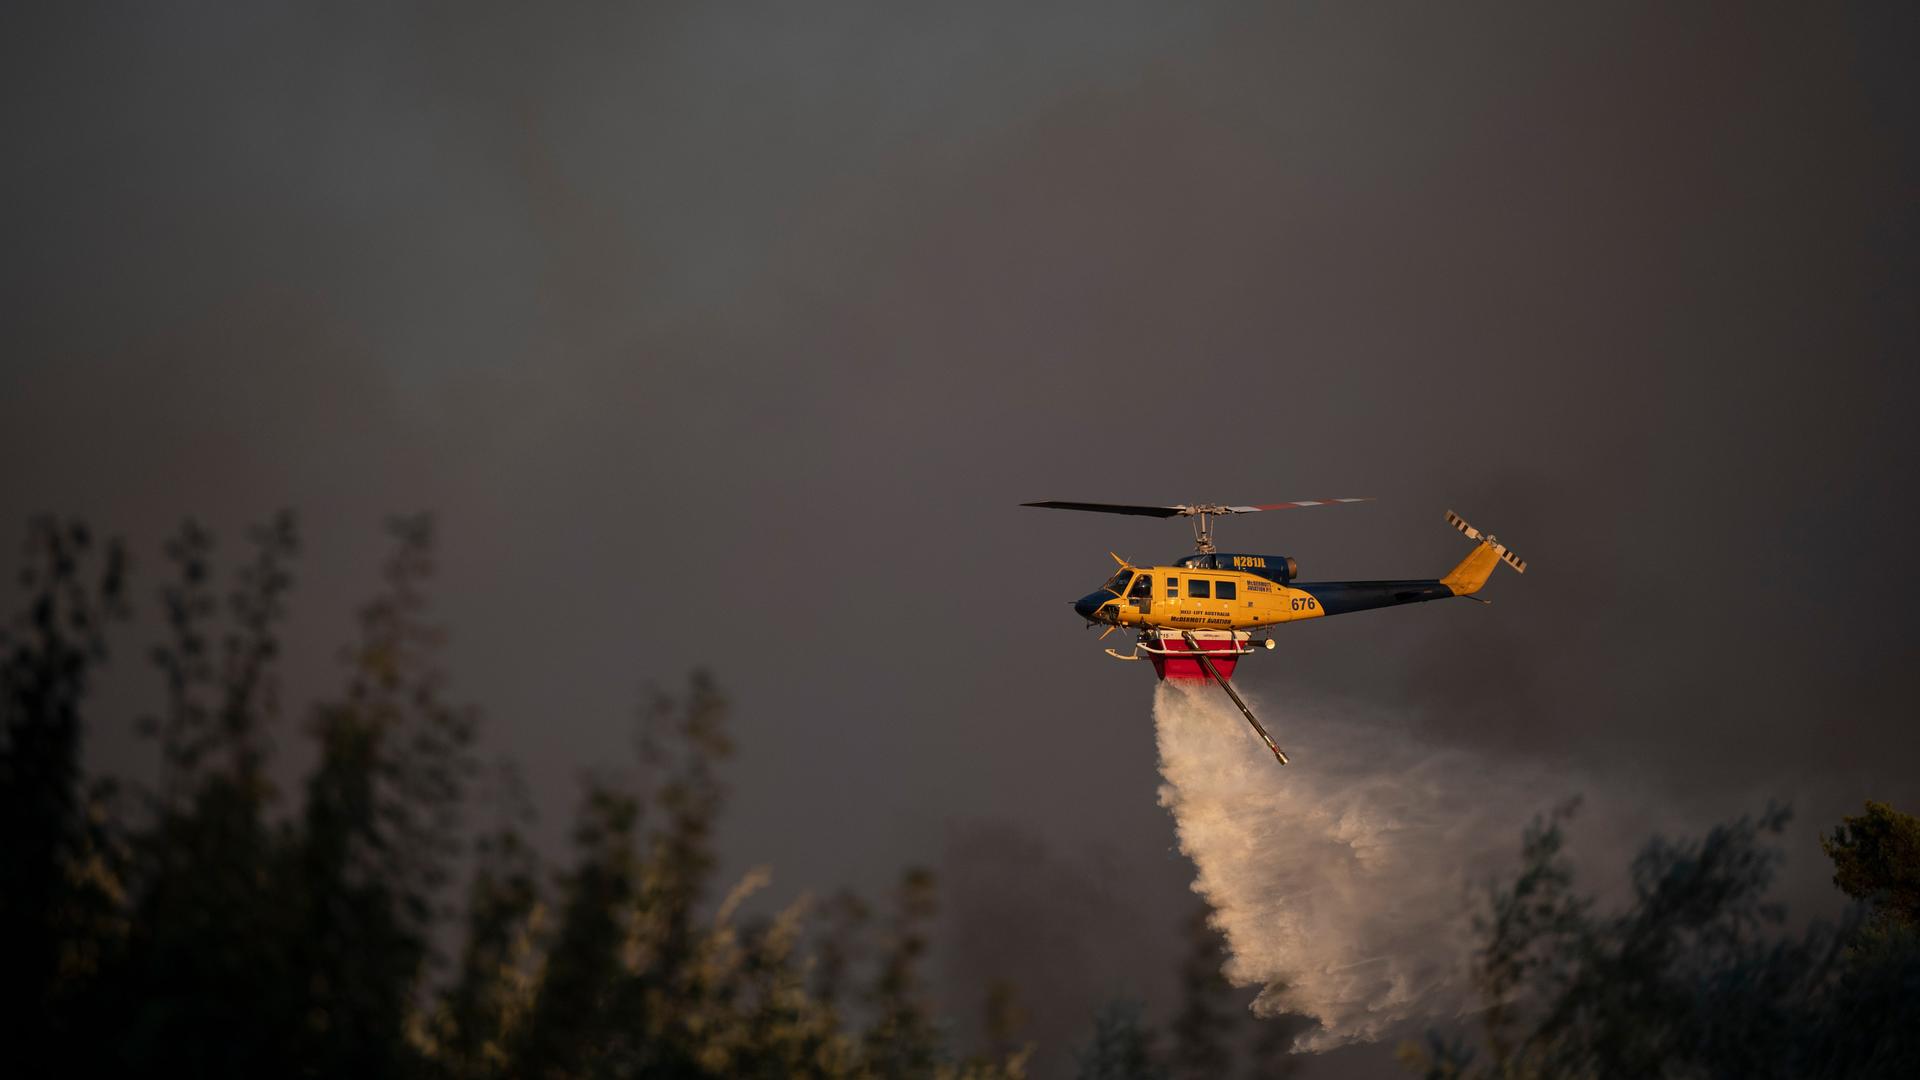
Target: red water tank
1178, 662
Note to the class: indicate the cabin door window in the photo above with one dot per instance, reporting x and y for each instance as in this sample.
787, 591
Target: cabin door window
1141, 595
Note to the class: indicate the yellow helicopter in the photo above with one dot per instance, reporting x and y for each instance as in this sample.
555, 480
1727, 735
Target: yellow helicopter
1195, 615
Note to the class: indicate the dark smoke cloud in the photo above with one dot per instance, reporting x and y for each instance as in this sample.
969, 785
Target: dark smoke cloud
734, 337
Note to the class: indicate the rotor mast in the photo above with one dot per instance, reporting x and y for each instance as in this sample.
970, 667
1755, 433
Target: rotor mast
1203, 525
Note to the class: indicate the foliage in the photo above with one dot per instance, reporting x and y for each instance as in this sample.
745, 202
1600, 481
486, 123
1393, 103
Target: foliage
1213, 1028
202, 929
1122, 1046
1876, 860
1206, 1020
1697, 976
60, 899
902, 1041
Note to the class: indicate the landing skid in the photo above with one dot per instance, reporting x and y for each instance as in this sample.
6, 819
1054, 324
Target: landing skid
1207, 662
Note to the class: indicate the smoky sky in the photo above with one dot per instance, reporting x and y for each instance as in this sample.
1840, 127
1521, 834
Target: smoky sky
733, 336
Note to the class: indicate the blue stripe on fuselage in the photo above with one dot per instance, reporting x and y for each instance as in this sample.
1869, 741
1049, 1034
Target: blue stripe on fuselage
1340, 597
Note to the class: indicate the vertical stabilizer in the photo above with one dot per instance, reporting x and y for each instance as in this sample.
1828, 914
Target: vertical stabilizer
1474, 570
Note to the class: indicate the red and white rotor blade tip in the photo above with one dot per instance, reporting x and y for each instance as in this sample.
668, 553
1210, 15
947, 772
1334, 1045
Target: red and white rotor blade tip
1296, 505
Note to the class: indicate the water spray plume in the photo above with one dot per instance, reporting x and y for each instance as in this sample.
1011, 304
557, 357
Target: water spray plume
1346, 885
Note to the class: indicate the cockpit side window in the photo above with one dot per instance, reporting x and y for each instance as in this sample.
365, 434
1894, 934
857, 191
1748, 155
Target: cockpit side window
1142, 587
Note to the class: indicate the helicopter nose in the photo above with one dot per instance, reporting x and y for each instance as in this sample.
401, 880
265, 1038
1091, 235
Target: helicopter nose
1090, 603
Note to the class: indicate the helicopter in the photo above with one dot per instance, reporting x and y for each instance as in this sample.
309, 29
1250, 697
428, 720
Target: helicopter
1195, 616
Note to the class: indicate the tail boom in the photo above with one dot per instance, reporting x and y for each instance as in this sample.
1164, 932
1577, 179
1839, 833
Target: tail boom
1340, 597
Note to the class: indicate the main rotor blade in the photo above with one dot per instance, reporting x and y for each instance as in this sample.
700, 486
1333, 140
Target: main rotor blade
1295, 505
1112, 508
1188, 511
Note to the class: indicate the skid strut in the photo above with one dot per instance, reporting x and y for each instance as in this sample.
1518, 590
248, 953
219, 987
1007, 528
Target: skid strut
1207, 662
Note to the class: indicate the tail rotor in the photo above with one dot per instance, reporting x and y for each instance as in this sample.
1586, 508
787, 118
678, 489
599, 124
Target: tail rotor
1506, 554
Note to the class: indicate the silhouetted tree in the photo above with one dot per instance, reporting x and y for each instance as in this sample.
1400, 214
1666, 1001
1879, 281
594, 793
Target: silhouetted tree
574, 1018
472, 1030
845, 916
1695, 977
1214, 1029
1271, 1051
1005, 1019
207, 885
1876, 860
902, 1040
379, 828
1207, 1019
199, 928
1122, 1046
58, 876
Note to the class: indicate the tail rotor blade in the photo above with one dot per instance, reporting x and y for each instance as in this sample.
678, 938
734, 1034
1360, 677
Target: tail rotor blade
1506, 554
1460, 523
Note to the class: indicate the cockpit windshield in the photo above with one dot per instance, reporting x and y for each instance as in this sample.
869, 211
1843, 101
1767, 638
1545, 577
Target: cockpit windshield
1117, 584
